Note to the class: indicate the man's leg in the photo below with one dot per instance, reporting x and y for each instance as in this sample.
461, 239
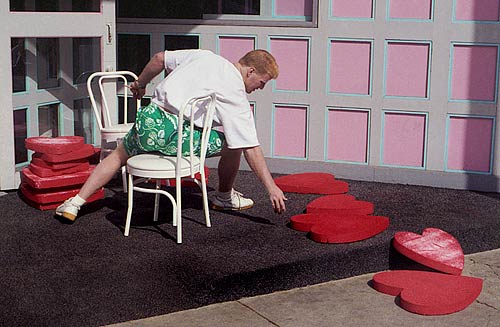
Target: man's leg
229, 164
104, 172
100, 176
226, 198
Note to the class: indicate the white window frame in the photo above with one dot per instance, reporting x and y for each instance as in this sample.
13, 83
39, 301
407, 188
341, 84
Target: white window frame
266, 18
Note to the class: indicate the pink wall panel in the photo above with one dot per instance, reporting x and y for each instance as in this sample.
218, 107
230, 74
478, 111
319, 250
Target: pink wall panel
407, 69
352, 8
290, 131
350, 67
292, 57
469, 143
474, 72
293, 7
234, 47
410, 9
347, 135
404, 139
477, 10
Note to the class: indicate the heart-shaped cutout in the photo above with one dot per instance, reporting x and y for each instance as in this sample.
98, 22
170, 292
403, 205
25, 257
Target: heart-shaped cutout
83, 151
304, 222
54, 145
429, 293
66, 180
349, 228
37, 160
311, 183
435, 248
45, 172
343, 204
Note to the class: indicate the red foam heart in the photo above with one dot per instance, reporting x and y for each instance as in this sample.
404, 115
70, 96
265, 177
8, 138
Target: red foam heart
83, 151
27, 197
37, 160
47, 172
38, 182
429, 293
54, 145
311, 183
347, 229
57, 195
340, 205
304, 222
435, 248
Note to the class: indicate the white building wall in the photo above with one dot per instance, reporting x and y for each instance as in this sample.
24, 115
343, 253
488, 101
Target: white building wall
440, 32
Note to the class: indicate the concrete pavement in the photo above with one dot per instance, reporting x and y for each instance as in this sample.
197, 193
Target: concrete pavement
347, 302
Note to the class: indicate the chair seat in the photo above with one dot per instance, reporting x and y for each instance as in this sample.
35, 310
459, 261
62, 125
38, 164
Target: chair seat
114, 133
160, 166
120, 128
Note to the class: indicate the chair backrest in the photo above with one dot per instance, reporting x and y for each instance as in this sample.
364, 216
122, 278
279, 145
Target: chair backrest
206, 103
101, 112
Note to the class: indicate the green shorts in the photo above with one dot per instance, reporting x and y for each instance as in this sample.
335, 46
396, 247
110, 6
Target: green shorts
155, 130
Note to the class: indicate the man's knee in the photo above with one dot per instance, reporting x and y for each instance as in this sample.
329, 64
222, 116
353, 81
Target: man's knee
121, 154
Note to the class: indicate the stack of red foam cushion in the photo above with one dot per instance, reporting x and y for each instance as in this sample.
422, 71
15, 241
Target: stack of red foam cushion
58, 169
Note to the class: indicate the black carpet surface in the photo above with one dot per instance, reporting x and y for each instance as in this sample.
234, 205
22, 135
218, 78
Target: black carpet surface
89, 274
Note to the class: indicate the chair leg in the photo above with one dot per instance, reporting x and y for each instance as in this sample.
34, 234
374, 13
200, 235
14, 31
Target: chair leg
124, 179
205, 197
129, 204
157, 200
178, 212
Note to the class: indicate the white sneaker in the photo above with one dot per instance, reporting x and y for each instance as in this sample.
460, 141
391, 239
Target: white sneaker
68, 209
236, 201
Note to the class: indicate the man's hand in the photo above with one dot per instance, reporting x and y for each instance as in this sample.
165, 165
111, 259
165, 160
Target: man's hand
137, 90
278, 199
256, 161
154, 67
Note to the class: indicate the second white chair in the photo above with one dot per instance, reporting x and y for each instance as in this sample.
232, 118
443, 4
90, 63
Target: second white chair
111, 131
159, 167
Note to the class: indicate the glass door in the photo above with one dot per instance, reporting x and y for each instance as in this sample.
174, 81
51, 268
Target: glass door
49, 66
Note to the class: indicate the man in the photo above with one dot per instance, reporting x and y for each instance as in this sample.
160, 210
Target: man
192, 73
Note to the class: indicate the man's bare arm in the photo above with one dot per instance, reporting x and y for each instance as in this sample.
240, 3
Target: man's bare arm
256, 161
154, 67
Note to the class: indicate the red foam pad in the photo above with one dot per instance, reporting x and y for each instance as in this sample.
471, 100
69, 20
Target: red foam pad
46, 197
304, 222
54, 145
347, 229
311, 183
47, 172
96, 157
38, 182
429, 293
435, 248
37, 160
50, 206
340, 205
83, 151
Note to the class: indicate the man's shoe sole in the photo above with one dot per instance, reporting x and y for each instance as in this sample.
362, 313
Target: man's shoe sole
216, 207
67, 215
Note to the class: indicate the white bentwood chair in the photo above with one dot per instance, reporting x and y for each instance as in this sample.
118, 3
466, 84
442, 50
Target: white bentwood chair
159, 167
111, 132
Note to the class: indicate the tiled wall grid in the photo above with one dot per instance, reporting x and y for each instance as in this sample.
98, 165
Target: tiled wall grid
403, 84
